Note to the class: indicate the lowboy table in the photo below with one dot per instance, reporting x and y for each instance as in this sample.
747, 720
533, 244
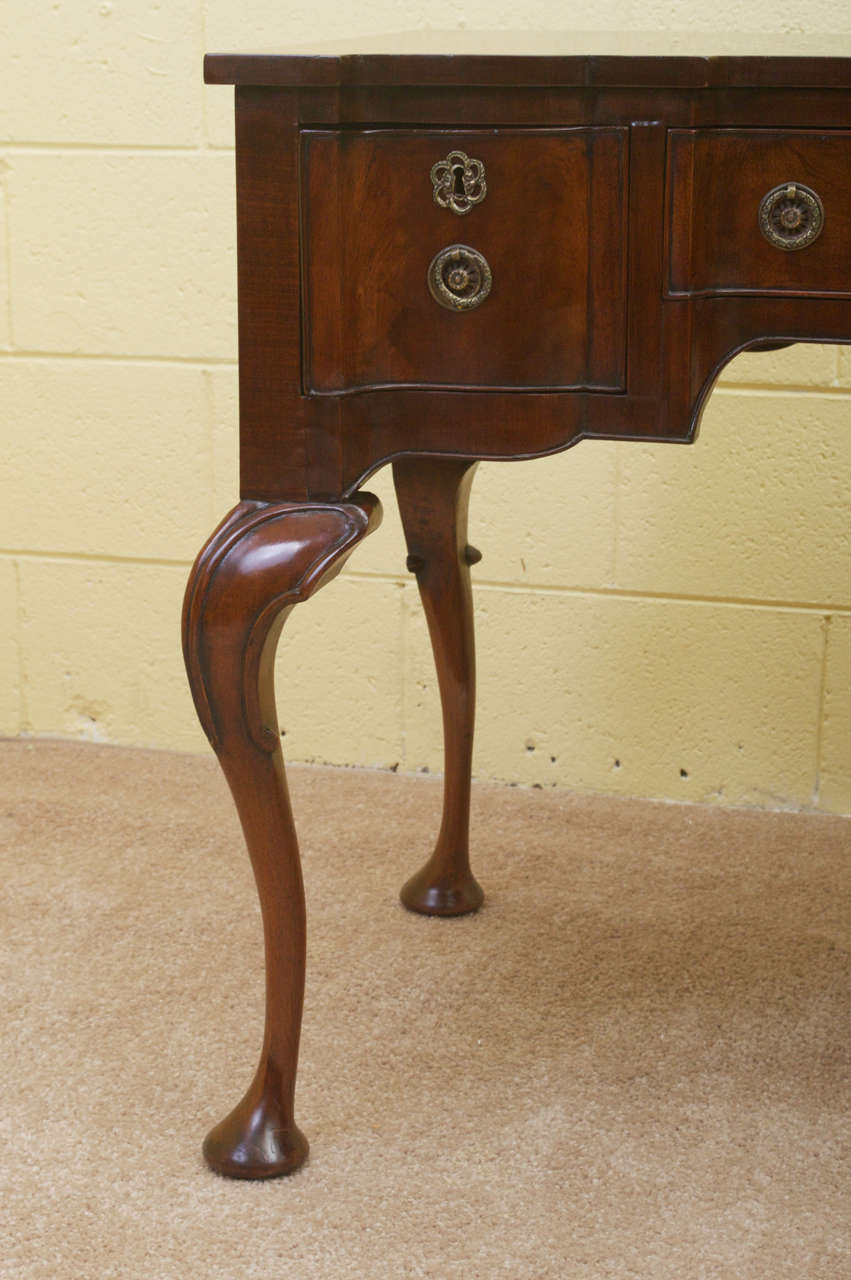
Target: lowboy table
446, 257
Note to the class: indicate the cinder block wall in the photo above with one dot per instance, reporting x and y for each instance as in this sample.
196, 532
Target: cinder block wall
657, 621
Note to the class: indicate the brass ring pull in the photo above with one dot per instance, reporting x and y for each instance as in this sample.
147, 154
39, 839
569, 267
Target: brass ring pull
791, 216
459, 278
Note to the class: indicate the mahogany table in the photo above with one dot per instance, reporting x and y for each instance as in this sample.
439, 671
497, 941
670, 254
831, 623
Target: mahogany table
446, 258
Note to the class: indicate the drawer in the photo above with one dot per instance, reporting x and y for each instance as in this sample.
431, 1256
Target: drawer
729, 190
550, 227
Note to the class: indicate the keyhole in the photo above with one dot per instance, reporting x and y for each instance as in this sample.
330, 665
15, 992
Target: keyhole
458, 175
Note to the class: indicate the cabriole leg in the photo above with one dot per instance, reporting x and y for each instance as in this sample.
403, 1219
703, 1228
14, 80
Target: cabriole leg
433, 498
261, 561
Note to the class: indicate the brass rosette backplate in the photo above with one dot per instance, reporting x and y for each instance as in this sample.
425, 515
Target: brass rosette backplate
459, 278
791, 216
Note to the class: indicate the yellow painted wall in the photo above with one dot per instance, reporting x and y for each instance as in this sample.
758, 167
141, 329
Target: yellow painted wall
668, 621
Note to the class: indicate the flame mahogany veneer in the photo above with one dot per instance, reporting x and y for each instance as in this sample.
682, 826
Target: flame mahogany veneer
620, 223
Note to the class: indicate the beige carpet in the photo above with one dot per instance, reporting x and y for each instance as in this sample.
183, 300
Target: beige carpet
633, 1062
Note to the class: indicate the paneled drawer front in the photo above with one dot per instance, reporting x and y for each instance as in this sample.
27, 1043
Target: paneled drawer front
740, 201
551, 228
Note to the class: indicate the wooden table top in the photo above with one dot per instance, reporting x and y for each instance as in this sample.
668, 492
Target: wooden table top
593, 59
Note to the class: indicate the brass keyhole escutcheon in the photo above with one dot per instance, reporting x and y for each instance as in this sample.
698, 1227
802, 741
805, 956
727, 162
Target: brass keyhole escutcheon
459, 278
458, 182
791, 216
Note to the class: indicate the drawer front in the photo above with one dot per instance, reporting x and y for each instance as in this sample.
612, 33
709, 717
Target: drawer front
547, 224
759, 211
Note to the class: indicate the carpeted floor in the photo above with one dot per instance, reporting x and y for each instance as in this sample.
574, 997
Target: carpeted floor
632, 1063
